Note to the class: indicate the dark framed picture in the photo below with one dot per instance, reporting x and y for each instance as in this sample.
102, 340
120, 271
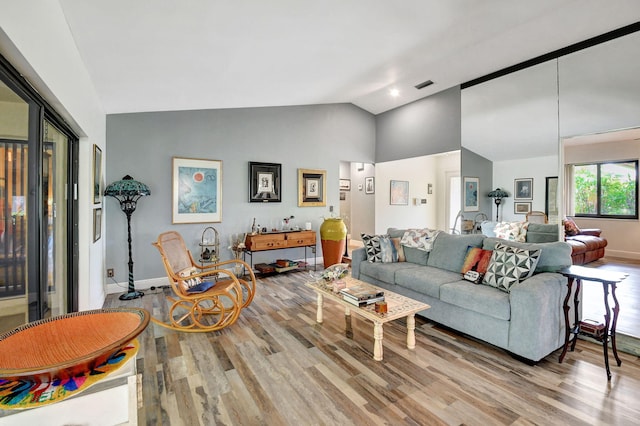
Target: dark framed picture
97, 224
97, 174
399, 193
522, 207
312, 186
345, 184
264, 182
551, 196
471, 200
197, 190
523, 189
369, 185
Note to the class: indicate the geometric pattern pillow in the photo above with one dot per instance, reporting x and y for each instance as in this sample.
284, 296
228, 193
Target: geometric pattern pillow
512, 231
372, 247
509, 266
388, 251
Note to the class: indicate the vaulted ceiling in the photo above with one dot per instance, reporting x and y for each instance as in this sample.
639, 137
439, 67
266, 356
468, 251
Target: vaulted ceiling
151, 55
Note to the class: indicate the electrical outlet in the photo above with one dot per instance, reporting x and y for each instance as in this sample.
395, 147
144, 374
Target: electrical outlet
110, 272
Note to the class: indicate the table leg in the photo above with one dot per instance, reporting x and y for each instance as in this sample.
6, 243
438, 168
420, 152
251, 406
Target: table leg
319, 317
565, 308
576, 315
607, 323
616, 309
377, 341
411, 331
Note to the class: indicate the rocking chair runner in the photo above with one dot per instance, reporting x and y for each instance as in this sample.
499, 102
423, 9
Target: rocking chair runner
210, 296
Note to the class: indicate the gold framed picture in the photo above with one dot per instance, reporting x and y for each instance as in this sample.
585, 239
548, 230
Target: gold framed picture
312, 188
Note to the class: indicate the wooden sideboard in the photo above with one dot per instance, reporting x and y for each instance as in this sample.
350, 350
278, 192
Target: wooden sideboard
281, 240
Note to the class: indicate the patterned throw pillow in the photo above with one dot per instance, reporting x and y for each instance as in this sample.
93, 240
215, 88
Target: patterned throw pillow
189, 282
509, 266
388, 253
372, 247
512, 231
399, 249
570, 227
476, 260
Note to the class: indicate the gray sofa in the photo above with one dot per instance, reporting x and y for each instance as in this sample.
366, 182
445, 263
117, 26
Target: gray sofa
528, 321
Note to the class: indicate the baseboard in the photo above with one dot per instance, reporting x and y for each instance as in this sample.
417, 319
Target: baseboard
140, 285
622, 254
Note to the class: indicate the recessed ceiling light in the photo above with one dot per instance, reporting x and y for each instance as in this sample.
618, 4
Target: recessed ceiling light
394, 92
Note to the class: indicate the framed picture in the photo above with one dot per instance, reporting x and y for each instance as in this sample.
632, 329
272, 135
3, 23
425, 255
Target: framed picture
369, 185
522, 207
264, 182
97, 174
399, 193
97, 224
197, 190
551, 196
312, 186
345, 184
470, 194
523, 189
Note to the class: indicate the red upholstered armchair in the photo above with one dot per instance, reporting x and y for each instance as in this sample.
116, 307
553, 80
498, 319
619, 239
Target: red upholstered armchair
586, 244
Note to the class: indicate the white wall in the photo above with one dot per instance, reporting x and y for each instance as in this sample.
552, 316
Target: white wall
622, 234
419, 171
35, 38
504, 174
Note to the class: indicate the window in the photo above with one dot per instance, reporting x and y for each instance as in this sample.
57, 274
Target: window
606, 189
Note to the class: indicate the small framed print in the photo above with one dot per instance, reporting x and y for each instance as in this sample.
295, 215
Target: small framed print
312, 186
521, 207
97, 224
523, 189
197, 190
345, 184
471, 200
399, 193
369, 185
264, 182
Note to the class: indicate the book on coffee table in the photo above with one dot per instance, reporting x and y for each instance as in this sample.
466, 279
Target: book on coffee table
362, 303
361, 292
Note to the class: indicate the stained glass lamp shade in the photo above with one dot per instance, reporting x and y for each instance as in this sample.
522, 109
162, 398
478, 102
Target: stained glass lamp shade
497, 195
128, 191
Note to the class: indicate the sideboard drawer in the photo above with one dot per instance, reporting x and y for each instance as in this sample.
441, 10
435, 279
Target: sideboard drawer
302, 238
265, 242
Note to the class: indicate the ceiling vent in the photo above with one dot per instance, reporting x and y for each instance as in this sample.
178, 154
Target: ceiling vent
423, 84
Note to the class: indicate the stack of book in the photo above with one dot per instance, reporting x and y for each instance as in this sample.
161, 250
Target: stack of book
362, 295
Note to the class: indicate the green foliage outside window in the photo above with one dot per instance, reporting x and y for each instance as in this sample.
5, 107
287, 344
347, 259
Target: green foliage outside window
606, 189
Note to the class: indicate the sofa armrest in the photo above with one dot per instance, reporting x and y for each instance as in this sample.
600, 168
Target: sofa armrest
358, 256
595, 232
537, 318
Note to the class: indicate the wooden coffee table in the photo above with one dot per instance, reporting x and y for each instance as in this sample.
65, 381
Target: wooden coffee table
398, 306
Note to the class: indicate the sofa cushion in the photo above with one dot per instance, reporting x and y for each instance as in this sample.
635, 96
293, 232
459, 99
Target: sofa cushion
477, 260
425, 279
449, 250
543, 233
570, 227
372, 247
483, 299
554, 256
512, 231
509, 265
385, 272
399, 248
411, 254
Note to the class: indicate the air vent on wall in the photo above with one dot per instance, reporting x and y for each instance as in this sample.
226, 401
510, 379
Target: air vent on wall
423, 84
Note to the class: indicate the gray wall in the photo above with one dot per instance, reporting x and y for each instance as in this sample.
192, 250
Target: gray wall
474, 165
143, 144
428, 126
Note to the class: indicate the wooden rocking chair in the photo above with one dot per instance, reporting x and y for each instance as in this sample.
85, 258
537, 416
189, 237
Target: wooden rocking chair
206, 297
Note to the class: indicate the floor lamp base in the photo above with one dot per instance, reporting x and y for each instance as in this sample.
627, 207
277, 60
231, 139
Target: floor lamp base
131, 295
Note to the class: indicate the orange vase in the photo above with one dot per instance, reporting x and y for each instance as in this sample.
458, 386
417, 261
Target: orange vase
333, 233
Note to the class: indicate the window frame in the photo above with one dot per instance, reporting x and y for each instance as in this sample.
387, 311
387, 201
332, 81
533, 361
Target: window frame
599, 165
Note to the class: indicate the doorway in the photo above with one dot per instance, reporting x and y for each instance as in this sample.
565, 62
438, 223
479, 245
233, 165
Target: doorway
36, 207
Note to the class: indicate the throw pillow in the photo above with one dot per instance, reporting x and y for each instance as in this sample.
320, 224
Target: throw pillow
399, 249
510, 265
189, 282
512, 231
372, 247
570, 227
476, 260
388, 251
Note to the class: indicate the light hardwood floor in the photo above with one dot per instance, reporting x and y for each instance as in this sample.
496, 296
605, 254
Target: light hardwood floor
276, 366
